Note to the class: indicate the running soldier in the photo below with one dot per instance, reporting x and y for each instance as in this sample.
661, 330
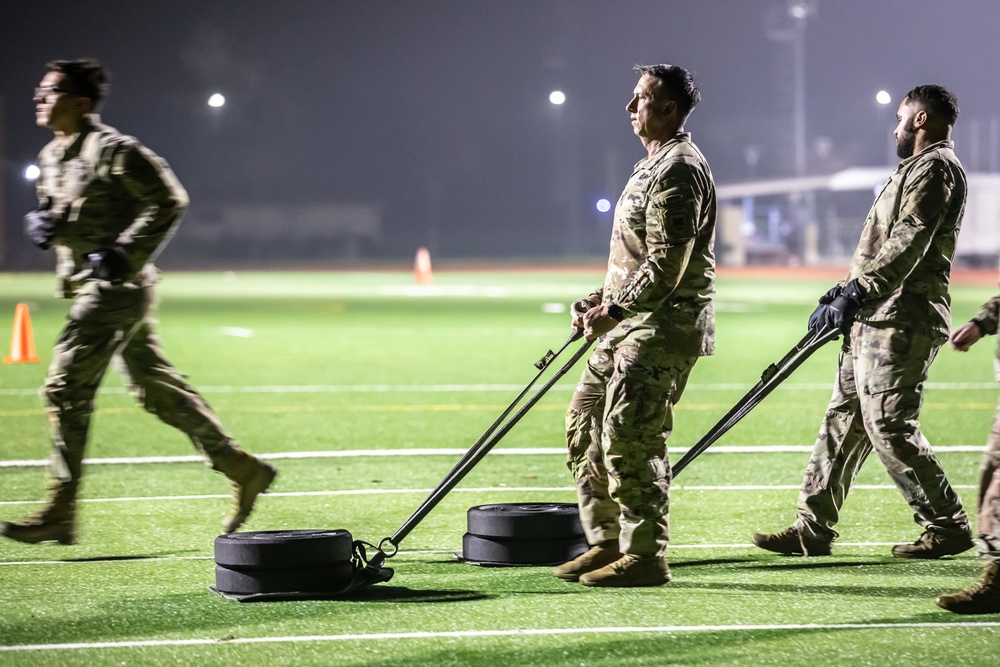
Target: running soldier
655, 318
983, 597
894, 309
108, 205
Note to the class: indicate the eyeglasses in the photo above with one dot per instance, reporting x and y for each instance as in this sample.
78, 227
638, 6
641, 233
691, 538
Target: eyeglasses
45, 91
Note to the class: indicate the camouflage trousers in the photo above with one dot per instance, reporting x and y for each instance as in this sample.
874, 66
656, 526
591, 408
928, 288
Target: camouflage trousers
617, 427
105, 321
876, 405
989, 495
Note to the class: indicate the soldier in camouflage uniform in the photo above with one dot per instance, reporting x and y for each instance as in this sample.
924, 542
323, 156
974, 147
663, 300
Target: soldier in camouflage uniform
655, 318
894, 309
108, 205
983, 597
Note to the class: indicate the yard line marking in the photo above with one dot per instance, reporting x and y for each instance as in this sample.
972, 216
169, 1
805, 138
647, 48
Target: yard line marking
326, 408
307, 494
485, 489
444, 451
402, 552
106, 561
460, 388
524, 632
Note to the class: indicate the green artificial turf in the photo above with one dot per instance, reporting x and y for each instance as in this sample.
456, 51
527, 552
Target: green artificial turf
336, 362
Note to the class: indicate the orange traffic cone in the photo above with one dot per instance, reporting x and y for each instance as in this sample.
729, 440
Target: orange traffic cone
422, 267
22, 342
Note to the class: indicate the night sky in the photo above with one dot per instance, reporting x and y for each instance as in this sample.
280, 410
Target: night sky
437, 111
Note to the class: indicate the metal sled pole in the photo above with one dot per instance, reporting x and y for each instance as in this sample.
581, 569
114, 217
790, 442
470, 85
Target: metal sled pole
772, 376
542, 364
389, 545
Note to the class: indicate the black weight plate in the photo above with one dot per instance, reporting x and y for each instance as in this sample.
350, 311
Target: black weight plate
521, 552
282, 549
525, 521
326, 579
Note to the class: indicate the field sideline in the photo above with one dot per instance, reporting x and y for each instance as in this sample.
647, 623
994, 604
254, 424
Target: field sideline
365, 388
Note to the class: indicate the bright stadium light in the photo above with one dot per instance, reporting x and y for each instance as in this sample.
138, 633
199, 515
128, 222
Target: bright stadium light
32, 172
883, 97
216, 100
603, 205
557, 97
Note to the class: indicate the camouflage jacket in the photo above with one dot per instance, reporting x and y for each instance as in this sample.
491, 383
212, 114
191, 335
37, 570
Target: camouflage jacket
661, 269
106, 189
903, 261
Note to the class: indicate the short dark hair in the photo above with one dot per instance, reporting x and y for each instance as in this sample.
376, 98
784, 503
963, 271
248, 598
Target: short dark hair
678, 84
84, 77
937, 100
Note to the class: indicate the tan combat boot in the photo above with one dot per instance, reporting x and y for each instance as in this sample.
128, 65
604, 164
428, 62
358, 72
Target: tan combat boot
595, 558
56, 522
251, 477
791, 542
983, 597
630, 571
933, 544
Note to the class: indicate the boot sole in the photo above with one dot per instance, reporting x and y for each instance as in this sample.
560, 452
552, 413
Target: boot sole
64, 539
631, 584
819, 550
968, 608
929, 556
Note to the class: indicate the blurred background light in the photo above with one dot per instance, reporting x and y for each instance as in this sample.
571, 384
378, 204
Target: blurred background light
557, 97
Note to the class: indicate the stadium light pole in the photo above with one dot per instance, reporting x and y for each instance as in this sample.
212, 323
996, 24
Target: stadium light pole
800, 11
3, 199
884, 99
567, 169
791, 27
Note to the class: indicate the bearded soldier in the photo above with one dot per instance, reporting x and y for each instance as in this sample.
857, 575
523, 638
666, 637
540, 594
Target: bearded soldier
894, 309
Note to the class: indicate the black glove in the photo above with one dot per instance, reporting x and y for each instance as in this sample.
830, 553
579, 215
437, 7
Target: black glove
111, 265
40, 227
825, 300
839, 314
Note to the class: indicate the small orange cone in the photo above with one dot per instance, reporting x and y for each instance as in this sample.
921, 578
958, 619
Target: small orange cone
22, 342
422, 267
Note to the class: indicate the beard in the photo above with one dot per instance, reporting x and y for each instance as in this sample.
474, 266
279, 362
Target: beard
906, 142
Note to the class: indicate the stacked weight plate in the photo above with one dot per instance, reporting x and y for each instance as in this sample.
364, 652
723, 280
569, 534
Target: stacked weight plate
523, 534
283, 561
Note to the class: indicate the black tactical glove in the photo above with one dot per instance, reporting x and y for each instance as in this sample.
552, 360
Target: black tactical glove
40, 227
111, 265
839, 314
825, 300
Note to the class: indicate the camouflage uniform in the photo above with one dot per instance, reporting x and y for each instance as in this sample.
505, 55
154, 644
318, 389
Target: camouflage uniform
106, 189
989, 472
661, 272
903, 263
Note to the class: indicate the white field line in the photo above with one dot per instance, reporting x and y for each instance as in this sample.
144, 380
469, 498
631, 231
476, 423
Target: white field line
487, 489
451, 388
475, 634
445, 451
402, 552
